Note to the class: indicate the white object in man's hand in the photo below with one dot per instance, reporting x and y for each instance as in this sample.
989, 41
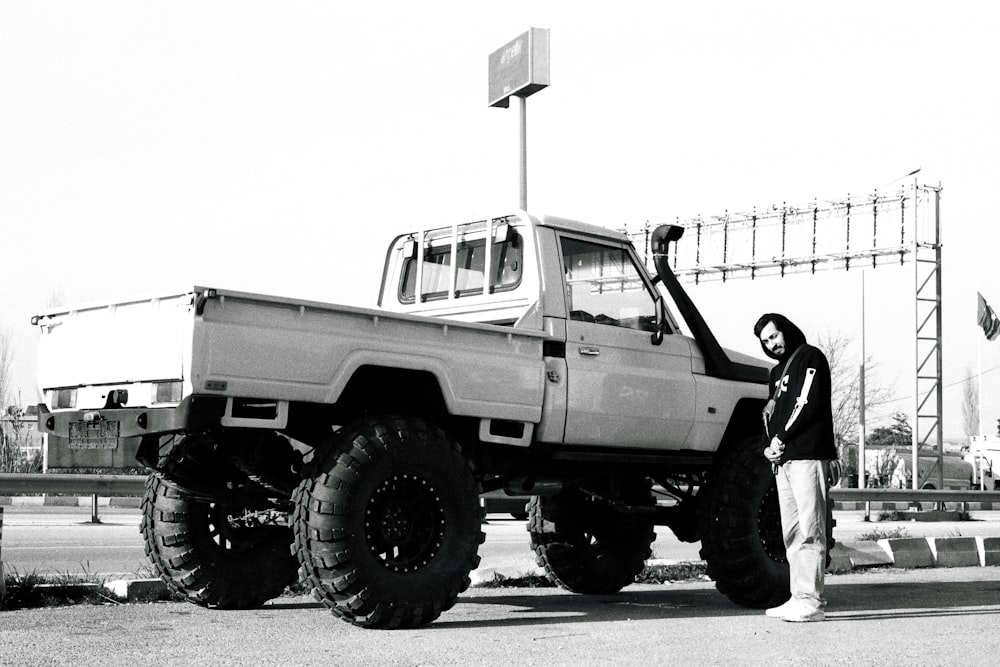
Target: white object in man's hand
773, 453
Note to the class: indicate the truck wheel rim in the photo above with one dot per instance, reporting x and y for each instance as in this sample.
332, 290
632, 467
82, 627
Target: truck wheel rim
769, 526
404, 523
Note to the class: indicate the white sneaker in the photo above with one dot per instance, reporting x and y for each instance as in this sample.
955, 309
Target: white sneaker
804, 613
781, 610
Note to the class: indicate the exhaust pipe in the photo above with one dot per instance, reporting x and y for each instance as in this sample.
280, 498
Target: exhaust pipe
531, 486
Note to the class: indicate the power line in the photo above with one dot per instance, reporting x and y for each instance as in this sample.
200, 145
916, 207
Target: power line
947, 386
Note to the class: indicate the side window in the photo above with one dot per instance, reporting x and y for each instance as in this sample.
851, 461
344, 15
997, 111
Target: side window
604, 286
470, 265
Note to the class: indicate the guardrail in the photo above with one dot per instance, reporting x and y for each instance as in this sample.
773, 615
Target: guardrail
17, 484
134, 485
922, 495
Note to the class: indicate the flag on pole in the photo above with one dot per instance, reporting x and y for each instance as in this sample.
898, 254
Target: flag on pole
988, 319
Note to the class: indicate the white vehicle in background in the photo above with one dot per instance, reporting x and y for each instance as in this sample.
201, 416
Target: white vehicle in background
892, 468
984, 455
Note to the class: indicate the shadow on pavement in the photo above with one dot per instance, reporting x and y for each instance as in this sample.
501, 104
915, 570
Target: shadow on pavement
848, 602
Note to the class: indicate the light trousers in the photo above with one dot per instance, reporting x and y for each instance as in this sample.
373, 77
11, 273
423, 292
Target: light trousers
802, 494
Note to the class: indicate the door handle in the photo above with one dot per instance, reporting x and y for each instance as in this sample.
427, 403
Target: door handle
590, 351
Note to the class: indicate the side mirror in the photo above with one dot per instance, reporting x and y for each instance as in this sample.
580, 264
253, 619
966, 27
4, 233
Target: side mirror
657, 336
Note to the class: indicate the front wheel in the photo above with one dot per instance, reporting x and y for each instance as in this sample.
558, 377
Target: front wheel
740, 525
388, 525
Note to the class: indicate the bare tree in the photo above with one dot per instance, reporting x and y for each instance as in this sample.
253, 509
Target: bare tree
970, 404
14, 436
845, 381
9, 447
6, 359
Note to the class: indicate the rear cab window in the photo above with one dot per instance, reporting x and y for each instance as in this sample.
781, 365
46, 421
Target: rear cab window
467, 242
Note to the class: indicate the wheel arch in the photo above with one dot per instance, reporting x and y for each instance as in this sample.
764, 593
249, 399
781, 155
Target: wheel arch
375, 389
745, 422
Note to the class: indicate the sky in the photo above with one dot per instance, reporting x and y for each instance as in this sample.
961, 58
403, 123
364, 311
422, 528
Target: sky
278, 147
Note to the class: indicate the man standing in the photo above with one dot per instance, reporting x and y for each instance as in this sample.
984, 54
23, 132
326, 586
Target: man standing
798, 434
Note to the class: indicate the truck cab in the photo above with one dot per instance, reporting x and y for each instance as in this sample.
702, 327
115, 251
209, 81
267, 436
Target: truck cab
637, 380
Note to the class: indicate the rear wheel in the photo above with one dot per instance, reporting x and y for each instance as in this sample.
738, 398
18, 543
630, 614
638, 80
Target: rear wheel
213, 555
584, 543
740, 526
388, 525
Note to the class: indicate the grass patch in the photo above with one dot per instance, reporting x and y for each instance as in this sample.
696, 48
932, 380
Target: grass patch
522, 581
652, 574
34, 591
30, 591
298, 589
670, 574
883, 534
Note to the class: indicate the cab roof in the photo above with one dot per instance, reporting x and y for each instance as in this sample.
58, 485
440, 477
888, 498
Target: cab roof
578, 227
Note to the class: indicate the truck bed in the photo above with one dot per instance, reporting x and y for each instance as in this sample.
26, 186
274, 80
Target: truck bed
222, 342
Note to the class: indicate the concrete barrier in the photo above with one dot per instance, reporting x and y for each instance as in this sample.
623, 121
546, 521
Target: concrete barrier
865, 553
954, 551
990, 550
133, 590
3, 580
909, 552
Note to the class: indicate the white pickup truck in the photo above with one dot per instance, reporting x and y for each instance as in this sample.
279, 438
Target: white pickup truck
350, 446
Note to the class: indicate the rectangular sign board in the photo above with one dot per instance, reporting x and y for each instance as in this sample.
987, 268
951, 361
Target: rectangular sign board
519, 67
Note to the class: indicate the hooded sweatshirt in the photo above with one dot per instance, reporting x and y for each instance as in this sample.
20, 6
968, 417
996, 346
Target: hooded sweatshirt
802, 416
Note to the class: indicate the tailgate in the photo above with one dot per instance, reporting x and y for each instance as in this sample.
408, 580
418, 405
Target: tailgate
129, 344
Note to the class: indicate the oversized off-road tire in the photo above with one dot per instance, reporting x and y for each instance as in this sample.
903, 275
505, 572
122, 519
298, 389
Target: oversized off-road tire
388, 523
583, 543
204, 552
740, 525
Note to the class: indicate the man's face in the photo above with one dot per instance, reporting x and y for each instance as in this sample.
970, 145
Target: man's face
773, 340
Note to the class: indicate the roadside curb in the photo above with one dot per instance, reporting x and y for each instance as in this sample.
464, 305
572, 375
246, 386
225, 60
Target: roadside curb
894, 506
133, 590
902, 552
914, 552
908, 553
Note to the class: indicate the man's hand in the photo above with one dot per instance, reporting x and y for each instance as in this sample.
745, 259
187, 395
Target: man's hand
773, 452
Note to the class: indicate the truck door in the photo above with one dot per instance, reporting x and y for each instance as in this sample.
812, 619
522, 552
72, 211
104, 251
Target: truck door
622, 389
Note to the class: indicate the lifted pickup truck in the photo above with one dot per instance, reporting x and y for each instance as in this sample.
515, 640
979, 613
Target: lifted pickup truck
349, 446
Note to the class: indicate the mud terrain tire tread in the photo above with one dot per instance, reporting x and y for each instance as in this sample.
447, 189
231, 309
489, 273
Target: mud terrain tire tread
740, 525
178, 536
388, 524
584, 545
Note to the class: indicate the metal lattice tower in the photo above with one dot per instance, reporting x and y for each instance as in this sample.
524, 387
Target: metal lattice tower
877, 229
928, 396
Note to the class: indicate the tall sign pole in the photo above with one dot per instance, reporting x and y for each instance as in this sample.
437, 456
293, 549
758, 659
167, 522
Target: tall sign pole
862, 452
520, 68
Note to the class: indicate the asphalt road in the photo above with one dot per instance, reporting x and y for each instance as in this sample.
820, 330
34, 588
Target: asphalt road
886, 616
883, 617
61, 540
